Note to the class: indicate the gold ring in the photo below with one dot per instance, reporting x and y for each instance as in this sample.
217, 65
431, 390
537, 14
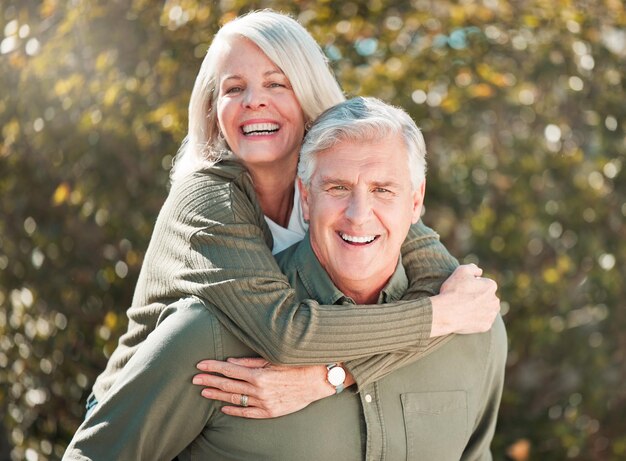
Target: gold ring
244, 400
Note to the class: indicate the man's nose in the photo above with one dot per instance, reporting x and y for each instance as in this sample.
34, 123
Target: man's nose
255, 98
359, 208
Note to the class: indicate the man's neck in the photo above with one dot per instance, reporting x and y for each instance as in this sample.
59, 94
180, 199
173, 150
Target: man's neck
363, 293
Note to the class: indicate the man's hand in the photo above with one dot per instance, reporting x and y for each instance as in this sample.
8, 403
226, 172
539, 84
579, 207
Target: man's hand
467, 303
272, 390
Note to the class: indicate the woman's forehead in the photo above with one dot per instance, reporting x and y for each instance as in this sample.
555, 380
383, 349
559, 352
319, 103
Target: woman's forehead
237, 52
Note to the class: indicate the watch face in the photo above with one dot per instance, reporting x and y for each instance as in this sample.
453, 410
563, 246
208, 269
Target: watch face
336, 376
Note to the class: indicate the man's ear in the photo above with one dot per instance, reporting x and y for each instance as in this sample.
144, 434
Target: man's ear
304, 199
418, 201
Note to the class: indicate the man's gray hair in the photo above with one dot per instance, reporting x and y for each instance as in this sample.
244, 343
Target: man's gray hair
363, 120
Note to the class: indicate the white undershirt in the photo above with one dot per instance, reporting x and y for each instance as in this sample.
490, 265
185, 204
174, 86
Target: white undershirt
296, 228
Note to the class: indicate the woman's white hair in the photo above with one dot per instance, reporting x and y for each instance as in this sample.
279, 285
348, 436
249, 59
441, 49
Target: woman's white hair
285, 42
362, 120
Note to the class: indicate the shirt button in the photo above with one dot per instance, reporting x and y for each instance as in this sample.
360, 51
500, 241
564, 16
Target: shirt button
368, 398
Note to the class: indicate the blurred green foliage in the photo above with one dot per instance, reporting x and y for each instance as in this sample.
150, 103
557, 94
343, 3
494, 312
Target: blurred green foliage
523, 107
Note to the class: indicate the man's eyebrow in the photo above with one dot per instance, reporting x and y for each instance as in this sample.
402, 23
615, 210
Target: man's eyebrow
385, 184
326, 180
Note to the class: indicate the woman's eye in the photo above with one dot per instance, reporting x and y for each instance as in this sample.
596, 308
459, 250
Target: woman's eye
234, 89
276, 85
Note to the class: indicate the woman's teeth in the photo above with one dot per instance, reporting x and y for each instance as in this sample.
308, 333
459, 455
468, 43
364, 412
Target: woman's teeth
260, 128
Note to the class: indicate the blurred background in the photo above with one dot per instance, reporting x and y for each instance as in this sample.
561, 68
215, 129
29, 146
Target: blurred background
523, 108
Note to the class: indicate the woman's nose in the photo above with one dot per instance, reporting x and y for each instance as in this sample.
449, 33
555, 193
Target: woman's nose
255, 98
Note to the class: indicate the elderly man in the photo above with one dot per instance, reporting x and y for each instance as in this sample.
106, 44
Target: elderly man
361, 178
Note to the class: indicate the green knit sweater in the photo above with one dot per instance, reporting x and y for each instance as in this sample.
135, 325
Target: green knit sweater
211, 240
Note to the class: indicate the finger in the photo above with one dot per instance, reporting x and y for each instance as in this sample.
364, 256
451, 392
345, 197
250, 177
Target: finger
216, 394
208, 365
249, 362
228, 397
487, 285
473, 269
226, 368
206, 380
493, 285
246, 412
232, 386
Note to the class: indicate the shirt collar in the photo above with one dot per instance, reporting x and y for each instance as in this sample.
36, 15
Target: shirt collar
321, 288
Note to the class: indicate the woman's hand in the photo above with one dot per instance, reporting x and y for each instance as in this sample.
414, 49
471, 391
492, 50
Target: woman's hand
271, 390
466, 304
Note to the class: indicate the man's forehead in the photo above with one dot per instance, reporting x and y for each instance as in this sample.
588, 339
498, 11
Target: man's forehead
383, 160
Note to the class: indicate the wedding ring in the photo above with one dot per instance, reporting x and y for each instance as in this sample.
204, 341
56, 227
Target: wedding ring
244, 400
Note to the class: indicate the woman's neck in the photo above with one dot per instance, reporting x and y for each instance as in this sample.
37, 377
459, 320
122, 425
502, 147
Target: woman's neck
275, 191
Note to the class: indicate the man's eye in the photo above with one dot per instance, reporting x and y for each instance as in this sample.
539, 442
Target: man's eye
382, 190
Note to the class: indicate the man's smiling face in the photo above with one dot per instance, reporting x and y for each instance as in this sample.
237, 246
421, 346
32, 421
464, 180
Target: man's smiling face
360, 203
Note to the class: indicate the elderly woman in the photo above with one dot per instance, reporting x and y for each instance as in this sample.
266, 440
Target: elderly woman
232, 200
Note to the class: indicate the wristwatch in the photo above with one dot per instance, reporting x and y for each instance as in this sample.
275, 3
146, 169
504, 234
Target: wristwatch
336, 376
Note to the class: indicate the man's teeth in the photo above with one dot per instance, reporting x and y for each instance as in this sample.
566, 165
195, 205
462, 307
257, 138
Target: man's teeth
260, 128
354, 239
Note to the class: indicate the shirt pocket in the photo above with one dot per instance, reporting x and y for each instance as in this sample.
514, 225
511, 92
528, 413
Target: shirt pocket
435, 424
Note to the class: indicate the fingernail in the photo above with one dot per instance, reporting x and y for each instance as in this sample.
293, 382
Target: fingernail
197, 380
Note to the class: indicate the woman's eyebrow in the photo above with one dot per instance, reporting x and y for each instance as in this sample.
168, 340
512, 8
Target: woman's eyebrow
239, 77
225, 78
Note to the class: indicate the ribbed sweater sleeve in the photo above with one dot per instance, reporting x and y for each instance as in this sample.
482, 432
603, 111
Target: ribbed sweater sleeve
211, 241
428, 264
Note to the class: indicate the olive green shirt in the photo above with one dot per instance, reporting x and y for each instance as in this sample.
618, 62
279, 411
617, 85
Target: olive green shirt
211, 241
443, 407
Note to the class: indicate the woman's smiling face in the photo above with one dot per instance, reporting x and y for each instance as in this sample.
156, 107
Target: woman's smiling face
258, 112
